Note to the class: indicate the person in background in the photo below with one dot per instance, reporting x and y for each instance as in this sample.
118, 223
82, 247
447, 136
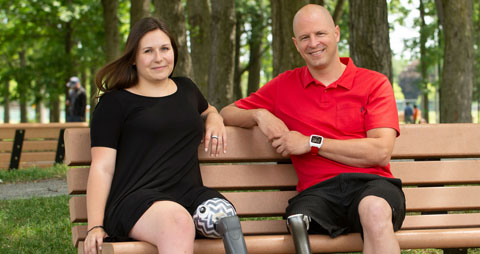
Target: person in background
415, 113
76, 102
408, 113
144, 181
338, 124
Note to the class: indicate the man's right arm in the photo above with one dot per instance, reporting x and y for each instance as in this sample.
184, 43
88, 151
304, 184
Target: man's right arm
269, 124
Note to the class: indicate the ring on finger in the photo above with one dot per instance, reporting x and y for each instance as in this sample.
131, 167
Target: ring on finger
214, 136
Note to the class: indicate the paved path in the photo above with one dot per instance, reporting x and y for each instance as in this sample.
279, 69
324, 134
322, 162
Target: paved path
41, 188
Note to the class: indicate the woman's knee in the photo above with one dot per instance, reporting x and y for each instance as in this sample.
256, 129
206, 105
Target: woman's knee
164, 218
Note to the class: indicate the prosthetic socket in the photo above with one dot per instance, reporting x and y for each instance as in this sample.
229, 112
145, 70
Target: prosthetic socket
298, 225
217, 218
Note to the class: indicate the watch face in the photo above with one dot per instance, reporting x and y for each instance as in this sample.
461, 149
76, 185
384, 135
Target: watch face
316, 139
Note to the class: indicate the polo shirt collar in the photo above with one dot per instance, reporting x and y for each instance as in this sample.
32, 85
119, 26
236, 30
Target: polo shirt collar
345, 80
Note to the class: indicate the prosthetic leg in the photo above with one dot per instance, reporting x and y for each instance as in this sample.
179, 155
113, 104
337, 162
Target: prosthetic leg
298, 225
217, 218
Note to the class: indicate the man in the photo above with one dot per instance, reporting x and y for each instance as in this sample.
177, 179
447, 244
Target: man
408, 113
77, 101
338, 124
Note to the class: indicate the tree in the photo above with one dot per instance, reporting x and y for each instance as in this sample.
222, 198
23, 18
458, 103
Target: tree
409, 80
138, 10
457, 76
220, 79
285, 55
369, 36
110, 24
199, 27
337, 13
173, 14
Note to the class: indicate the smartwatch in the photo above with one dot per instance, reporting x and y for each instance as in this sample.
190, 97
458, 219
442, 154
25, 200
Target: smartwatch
316, 143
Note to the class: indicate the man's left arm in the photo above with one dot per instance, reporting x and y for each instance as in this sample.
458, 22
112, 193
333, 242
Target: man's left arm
374, 150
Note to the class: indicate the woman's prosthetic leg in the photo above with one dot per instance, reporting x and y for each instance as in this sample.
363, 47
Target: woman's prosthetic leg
217, 218
298, 225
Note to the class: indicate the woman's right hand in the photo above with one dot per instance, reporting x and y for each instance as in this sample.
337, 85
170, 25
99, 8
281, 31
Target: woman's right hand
94, 240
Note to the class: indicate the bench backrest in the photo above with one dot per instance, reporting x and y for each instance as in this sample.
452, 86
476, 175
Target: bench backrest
437, 164
32, 144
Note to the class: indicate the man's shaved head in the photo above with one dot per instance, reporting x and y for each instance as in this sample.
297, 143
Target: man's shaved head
312, 11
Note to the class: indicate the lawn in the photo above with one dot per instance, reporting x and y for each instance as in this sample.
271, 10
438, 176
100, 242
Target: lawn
37, 226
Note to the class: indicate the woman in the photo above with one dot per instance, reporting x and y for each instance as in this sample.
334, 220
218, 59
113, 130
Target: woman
144, 180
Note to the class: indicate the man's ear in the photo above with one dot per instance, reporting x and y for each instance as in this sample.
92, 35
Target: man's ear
337, 33
295, 43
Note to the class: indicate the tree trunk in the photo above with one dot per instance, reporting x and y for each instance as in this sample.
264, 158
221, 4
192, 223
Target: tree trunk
54, 110
110, 24
220, 79
337, 13
369, 36
255, 61
22, 87
6, 103
440, 43
238, 70
423, 61
457, 79
171, 11
199, 21
138, 10
319, 2
285, 55
38, 108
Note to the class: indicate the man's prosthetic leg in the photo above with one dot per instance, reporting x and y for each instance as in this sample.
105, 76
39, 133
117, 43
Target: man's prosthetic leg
217, 218
298, 225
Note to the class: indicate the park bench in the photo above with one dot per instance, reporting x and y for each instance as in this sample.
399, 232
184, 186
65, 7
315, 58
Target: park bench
33, 144
438, 163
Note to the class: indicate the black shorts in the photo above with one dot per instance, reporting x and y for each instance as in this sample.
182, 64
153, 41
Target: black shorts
333, 203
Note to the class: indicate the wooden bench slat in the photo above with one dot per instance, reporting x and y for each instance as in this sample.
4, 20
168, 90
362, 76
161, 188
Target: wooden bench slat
77, 147
77, 179
442, 198
283, 244
437, 172
273, 203
436, 221
275, 227
263, 176
252, 145
436, 140
37, 157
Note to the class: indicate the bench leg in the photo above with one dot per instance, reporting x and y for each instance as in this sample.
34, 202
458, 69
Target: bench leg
230, 230
298, 226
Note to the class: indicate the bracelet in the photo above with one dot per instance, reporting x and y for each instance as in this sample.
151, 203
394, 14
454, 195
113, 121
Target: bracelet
94, 227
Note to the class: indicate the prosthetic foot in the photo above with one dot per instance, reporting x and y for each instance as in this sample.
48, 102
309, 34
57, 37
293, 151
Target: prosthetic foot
231, 232
298, 225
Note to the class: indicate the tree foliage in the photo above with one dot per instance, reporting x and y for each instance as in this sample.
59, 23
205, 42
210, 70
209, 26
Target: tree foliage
44, 42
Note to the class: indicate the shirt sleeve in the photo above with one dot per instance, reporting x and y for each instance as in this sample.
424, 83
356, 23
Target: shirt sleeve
381, 107
265, 97
106, 124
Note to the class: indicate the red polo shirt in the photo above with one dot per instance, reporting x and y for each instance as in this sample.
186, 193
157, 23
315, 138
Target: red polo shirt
358, 101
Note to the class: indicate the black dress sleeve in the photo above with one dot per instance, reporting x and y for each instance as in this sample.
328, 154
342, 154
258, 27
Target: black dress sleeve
107, 121
202, 102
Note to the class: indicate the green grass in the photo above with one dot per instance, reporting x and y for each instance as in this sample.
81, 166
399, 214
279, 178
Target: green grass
33, 174
37, 225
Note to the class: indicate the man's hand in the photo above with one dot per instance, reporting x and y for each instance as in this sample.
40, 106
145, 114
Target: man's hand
292, 143
270, 125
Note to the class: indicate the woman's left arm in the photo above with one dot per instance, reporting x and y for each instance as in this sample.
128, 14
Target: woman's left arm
215, 132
